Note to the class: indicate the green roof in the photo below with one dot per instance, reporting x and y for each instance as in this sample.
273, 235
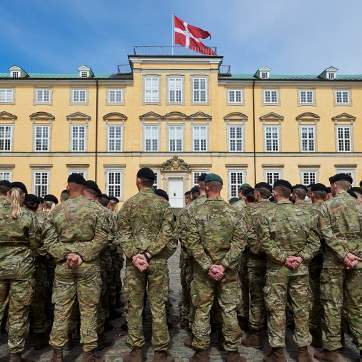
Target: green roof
316, 77
71, 76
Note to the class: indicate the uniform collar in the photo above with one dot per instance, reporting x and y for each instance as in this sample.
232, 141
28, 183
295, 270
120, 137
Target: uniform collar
284, 202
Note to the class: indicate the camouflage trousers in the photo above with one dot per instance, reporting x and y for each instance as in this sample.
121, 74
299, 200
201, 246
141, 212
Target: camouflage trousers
341, 289
186, 279
155, 281
84, 285
243, 305
114, 281
18, 293
204, 292
316, 314
280, 288
256, 279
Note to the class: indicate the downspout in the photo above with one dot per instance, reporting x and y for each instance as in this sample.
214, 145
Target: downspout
96, 148
254, 133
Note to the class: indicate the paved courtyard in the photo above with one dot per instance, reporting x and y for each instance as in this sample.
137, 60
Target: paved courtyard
178, 350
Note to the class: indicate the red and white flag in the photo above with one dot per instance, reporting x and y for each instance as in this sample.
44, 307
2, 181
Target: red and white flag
189, 36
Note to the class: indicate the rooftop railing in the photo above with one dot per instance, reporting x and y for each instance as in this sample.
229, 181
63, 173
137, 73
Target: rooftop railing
166, 50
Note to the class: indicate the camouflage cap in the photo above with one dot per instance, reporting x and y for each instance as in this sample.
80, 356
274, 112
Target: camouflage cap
341, 177
213, 177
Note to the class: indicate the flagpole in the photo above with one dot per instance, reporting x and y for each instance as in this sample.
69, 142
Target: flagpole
172, 33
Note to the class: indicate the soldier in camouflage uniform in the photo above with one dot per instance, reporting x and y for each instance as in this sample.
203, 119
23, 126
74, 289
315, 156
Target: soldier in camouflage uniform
216, 237
18, 239
75, 234
290, 240
257, 266
341, 227
145, 225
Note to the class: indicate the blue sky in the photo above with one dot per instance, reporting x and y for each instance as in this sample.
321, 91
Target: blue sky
290, 36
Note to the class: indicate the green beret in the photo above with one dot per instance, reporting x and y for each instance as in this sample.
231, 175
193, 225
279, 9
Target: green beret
213, 177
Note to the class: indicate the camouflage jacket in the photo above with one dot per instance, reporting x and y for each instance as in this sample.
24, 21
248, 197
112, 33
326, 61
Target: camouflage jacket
289, 231
18, 238
341, 228
217, 234
240, 205
77, 226
146, 224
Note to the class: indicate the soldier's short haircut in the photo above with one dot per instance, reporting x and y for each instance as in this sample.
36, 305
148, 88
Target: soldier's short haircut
301, 193
344, 185
283, 191
264, 193
320, 195
214, 186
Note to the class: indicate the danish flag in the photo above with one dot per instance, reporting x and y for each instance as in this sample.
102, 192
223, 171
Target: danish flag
189, 36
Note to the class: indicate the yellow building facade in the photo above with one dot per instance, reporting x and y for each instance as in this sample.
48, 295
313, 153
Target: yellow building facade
180, 115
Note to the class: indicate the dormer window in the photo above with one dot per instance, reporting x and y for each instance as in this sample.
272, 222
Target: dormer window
16, 72
263, 73
85, 72
329, 73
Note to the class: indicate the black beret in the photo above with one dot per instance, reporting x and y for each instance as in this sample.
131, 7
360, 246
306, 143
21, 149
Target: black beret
114, 198
329, 190
187, 193
300, 186
202, 177
341, 177
92, 185
146, 173
41, 200
76, 178
32, 199
19, 185
162, 193
51, 198
283, 183
5, 183
318, 187
104, 196
195, 189
263, 185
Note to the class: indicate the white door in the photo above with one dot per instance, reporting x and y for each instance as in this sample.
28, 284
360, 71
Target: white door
176, 192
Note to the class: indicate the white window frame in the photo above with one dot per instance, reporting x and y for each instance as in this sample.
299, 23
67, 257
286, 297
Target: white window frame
236, 139
36, 185
195, 176
4, 140
266, 126
78, 91
152, 139
273, 172
117, 94
41, 138
39, 95
338, 149
115, 139
108, 185
271, 91
331, 75
178, 140
151, 94
339, 94
8, 95
232, 96
6, 175
233, 188
304, 171
307, 139
72, 149
15, 74
201, 147
157, 179
306, 101
175, 89
199, 92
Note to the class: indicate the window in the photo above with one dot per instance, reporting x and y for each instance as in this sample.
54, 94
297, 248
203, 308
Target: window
115, 96
79, 96
175, 89
342, 97
236, 179
78, 138
235, 96
41, 183
271, 96
6, 95
306, 96
42, 95
308, 177
157, 178
199, 90
236, 135
151, 135
331, 75
114, 138
195, 177
199, 134
264, 75
114, 182
272, 175
41, 138
175, 138
307, 135
152, 89
344, 138
271, 138
84, 74
15, 74
6, 137
5, 175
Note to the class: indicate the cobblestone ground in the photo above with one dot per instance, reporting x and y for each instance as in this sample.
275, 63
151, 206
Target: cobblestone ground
178, 350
